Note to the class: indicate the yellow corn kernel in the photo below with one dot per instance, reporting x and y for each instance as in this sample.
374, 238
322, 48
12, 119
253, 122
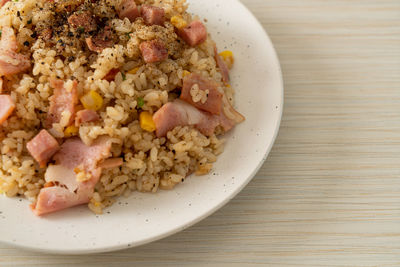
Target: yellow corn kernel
71, 131
186, 73
178, 22
146, 122
228, 85
227, 56
97, 204
92, 100
133, 71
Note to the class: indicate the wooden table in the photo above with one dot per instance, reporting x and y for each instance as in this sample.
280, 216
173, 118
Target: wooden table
329, 193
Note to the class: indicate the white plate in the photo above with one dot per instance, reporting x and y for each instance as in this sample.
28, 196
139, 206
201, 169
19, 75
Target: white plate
143, 218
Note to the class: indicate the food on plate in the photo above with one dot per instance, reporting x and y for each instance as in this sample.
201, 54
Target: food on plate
100, 98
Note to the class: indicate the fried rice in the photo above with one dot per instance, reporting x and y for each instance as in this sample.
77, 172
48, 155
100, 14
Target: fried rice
125, 86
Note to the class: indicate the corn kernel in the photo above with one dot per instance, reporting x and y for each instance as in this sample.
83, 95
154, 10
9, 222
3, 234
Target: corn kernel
227, 56
92, 100
133, 71
146, 122
186, 73
97, 204
178, 22
71, 131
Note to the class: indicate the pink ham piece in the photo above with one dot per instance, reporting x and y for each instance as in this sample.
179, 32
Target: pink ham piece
223, 68
153, 15
179, 113
128, 9
214, 100
194, 34
42, 147
11, 62
153, 51
3, 2
86, 115
62, 100
7, 106
66, 191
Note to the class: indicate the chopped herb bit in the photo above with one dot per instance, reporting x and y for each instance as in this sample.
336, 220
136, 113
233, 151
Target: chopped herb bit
15, 0
81, 29
128, 34
29, 21
0, 32
123, 76
140, 102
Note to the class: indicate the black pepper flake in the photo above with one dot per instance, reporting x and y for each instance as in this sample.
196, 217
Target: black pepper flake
26, 43
18, 14
70, 34
71, 58
29, 21
34, 35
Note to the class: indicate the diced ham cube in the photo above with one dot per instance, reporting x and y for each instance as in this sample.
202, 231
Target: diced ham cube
11, 62
83, 21
86, 115
7, 106
64, 190
153, 51
221, 65
62, 100
128, 9
194, 34
214, 99
42, 147
153, 15
110, 76
100, 41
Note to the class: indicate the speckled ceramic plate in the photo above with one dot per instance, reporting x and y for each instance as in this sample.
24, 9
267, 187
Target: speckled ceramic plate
143, 218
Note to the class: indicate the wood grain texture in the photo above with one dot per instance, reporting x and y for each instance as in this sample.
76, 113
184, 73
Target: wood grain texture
329, 194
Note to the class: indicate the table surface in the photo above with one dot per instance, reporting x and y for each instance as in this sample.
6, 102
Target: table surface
329, 194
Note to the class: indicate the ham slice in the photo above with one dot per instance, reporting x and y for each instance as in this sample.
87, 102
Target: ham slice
193, 34
11, 62
223, 68
179, 113
62, 100
7, 106
55, 198
214, 99
152, 15
86, 115
66, 191
42, 147
128, 9
153, 51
